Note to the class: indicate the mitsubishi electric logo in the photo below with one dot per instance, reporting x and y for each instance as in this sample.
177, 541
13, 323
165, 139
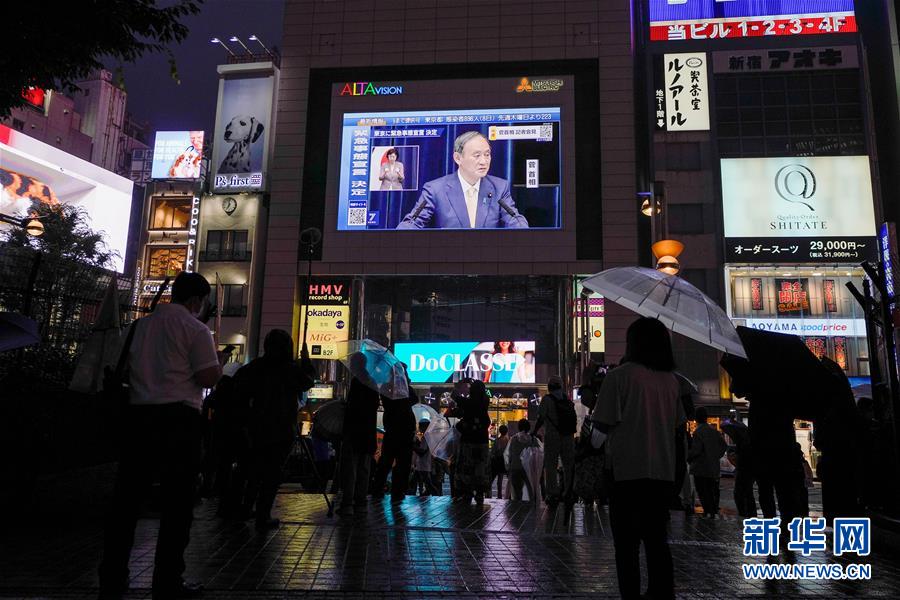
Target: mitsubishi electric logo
796, 183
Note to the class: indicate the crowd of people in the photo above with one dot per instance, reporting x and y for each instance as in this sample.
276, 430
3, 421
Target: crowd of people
633, 450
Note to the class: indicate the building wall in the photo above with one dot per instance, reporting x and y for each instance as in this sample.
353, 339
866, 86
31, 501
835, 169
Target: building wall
58, 123
102, 106
344, 34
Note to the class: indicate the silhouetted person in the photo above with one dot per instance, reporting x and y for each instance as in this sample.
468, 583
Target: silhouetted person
739, 433
557, 412
772, 441
271, 387
359, 439
230, 445
396, 447
470, 472
686, 393
421, 457
498, 465
171, 360
835, 438
639, 406
707, 447
518, 478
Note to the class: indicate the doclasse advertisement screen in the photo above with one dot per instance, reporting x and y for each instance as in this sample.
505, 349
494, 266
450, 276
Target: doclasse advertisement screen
451, 169
491, 362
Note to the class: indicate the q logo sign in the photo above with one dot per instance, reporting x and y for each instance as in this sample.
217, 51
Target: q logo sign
796, 183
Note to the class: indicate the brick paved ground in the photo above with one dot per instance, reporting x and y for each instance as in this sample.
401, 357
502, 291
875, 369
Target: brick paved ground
426, 548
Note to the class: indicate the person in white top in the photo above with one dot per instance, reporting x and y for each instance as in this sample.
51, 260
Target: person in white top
639, 407
171, 360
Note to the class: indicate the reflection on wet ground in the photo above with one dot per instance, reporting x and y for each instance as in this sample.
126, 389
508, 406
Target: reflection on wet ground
426, 547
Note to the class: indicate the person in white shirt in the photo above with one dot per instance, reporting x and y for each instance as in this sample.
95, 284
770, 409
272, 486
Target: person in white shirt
172, 359
639, 406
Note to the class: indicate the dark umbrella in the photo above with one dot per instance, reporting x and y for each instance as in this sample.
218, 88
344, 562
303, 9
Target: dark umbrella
17, 331
782, 370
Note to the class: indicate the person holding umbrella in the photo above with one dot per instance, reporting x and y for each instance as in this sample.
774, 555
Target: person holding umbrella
639, 407
359, 437
471, 471
397, 445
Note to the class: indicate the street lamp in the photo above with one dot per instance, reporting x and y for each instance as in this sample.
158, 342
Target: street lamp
666, 253
253, 38
235, 38
216, 40
31, 225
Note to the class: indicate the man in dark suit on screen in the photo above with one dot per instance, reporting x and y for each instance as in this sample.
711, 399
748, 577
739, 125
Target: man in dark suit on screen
468, 198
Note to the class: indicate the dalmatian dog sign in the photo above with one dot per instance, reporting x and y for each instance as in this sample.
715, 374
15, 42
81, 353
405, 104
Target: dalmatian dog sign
241, 139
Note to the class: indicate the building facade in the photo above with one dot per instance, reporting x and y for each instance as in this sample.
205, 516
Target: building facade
772, 110
552, 91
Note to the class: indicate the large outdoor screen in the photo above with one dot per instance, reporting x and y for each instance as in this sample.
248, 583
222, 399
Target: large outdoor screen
35, 175
497, 168
177, 155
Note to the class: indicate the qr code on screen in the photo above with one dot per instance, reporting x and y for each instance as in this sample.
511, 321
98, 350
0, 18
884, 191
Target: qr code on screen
356, 216
546, 133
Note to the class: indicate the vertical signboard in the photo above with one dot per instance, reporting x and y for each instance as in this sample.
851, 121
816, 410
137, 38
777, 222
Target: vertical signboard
243, 127
191, 263
756, 293
686, 92
830, 295
329, 316
595, 311
887, 237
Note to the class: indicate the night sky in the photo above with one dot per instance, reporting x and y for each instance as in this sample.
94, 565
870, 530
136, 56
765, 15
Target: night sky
155, 97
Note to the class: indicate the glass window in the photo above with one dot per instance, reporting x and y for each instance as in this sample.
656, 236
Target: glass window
166, 260
226, 245
233, 301
170, 213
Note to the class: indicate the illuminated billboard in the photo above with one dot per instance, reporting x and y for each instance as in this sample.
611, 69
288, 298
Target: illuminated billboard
243, 127
35, 175
491, 362
728, 19
798, 209
177, 155
404, 170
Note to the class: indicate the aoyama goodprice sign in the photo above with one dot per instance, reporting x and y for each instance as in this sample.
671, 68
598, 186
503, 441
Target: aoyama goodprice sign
798, 209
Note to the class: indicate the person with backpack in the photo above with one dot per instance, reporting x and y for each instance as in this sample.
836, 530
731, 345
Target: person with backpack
557, 411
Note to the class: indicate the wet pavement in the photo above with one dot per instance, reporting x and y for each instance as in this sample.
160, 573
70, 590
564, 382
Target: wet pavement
424, 548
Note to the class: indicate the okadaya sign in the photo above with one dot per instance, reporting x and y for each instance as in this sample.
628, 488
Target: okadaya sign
329, 316
806, 327
798, 209
491, 362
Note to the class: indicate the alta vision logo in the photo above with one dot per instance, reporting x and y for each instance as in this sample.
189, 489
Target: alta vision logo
367, 88
796, 184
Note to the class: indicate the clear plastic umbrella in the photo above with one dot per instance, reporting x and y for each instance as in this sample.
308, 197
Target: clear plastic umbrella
375, 366
680, 306
438, 429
